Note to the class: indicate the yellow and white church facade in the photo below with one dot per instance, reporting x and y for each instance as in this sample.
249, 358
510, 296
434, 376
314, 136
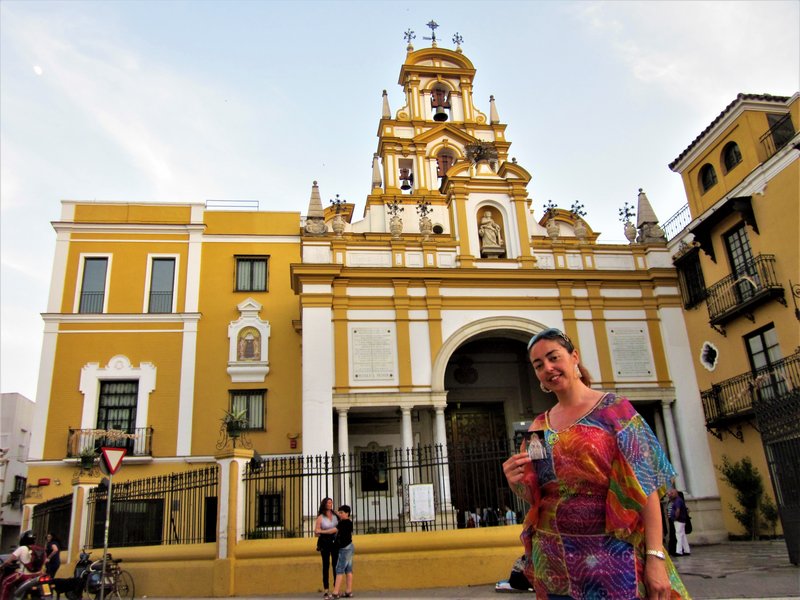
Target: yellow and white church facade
333, 334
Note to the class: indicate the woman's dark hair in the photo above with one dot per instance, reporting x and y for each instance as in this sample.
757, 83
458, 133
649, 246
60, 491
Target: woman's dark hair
323, 506
563, 340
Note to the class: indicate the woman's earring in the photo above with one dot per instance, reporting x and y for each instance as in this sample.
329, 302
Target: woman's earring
544, 389
577, 371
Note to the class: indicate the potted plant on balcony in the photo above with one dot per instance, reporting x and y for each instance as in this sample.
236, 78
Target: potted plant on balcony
234, 422
87, 457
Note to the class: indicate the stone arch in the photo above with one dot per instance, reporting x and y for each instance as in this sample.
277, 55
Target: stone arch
512, 327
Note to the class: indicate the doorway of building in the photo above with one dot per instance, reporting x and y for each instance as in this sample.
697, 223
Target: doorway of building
476, 449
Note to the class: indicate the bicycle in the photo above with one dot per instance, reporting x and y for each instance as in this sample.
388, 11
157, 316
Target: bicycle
117, 584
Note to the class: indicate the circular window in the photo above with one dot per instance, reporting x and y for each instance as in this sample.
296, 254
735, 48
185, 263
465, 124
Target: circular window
438, 228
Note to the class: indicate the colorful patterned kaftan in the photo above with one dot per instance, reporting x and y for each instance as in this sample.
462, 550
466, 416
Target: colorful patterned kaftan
584, 533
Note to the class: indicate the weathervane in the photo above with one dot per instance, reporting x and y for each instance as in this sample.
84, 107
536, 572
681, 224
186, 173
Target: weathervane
457, 39
433, 26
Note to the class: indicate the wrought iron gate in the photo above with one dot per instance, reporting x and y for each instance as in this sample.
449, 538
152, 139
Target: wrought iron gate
778, 417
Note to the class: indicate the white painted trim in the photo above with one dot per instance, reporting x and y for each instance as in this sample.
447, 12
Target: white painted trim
120, 318
193, 263
58, 276
186, 391
79, 283
139, 228
43, 387
148, 280
119, 367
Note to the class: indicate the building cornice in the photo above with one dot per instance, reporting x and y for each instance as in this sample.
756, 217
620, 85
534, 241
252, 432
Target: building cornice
121, 318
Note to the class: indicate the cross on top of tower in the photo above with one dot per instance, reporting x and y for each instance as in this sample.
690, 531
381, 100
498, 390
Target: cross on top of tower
433, 26
409, 35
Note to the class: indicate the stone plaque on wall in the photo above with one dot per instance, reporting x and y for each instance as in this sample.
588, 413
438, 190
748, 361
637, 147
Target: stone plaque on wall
630, 352
373, 354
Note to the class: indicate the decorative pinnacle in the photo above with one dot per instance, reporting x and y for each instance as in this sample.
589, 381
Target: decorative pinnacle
457, 39
433, 25
409, 35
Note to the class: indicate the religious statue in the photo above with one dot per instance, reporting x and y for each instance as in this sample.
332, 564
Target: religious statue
489, 232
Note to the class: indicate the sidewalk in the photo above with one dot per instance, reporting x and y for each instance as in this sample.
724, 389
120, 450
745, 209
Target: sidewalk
721, 572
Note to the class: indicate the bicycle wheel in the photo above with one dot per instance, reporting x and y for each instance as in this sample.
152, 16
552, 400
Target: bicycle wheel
125, 587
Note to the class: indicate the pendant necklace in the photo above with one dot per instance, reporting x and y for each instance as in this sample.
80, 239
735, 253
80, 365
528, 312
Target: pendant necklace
551, 435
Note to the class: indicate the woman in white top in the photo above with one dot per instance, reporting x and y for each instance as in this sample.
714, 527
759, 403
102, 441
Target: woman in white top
325, 530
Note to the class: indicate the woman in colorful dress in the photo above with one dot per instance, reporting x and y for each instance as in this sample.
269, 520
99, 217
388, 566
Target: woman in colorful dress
593, 472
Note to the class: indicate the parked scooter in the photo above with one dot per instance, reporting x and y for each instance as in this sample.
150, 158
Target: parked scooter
72, 587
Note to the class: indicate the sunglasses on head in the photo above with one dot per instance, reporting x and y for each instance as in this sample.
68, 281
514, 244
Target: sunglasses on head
551, 333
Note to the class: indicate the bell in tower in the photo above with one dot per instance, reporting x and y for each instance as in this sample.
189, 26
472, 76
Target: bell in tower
439, 102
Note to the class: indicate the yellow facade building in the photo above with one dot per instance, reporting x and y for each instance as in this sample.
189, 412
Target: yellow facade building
738, 257
364, 356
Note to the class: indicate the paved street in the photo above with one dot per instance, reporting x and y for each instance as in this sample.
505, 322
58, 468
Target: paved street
725, 571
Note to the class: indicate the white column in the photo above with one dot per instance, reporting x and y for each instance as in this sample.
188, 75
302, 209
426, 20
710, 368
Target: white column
408, 445
441, 439
344, 439
672, 444
344, 451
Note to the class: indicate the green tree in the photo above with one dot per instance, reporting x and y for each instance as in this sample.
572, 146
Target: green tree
746, 481
770, 513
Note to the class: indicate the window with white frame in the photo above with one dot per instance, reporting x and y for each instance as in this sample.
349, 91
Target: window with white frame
251, 403
162, 285
251, 273
93, 285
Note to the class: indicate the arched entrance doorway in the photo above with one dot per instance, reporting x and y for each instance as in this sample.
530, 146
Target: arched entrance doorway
491, 399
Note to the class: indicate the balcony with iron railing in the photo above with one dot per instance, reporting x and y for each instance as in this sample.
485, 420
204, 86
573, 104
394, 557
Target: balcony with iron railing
740, 293
677, 222
137, 442
777, 136
733, 398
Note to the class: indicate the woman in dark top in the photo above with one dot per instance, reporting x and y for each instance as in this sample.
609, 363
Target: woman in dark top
52, 554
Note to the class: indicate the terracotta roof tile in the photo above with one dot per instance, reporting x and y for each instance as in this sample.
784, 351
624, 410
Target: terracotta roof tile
739, 98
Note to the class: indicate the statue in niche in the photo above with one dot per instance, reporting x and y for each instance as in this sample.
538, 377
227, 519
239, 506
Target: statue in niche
491, 236
248, 347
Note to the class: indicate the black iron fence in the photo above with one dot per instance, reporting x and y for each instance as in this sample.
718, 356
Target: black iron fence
180, 508
779, 421
734, 397
737, 291
53, 517
426, 488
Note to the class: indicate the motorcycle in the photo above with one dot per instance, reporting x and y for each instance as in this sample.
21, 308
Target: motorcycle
38, 587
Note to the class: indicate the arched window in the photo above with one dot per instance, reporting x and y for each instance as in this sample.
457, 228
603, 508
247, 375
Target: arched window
444, 160
708, 177
731, 156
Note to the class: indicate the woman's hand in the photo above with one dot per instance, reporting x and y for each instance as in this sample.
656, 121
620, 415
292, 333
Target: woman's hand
514, 467
656, 579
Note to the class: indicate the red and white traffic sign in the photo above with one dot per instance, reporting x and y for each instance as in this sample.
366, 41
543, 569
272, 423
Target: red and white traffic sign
113, 458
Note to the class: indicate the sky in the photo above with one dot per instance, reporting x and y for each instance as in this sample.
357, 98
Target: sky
189, 101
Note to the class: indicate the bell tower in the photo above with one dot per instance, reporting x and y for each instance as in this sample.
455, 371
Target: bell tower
440, 150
